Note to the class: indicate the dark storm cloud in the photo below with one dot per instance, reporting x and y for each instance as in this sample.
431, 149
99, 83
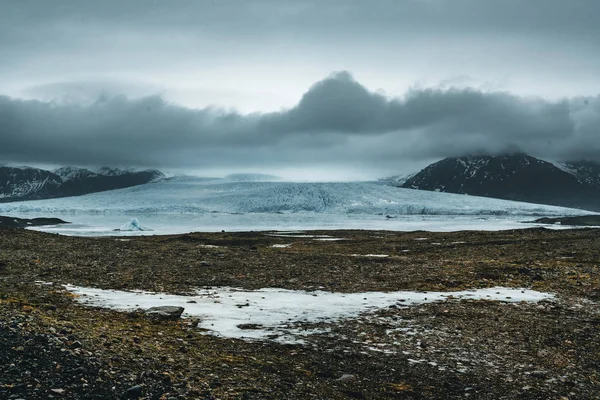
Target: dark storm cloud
342, 104
337, 121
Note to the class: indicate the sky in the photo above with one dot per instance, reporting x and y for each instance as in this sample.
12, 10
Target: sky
303, 89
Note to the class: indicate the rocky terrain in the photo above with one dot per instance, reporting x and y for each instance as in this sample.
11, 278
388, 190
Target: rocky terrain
514, 177
51, 346
13, 222
26, 183
583, 220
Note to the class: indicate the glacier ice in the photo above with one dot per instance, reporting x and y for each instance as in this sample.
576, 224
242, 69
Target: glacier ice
196, 196
185, 204
134, 226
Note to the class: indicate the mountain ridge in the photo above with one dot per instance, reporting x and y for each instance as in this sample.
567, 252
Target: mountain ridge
515, 176
29, 183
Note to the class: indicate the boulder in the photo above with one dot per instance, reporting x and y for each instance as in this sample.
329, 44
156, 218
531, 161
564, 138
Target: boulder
170, 313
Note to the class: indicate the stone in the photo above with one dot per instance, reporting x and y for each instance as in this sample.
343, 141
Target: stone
134, 392
539, 374
171, 313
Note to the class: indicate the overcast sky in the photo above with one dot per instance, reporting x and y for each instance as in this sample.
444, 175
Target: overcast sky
309, 89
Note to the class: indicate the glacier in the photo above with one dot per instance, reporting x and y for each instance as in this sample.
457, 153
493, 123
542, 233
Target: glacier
183, 204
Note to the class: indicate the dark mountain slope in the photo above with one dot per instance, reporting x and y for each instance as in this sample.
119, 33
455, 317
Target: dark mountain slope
25, 183
514, 177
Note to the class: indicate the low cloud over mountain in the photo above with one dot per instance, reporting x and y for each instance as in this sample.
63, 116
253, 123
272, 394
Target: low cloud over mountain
336, 122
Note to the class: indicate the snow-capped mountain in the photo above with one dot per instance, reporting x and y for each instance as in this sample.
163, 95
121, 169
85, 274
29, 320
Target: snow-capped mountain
70, 173
586, 172
514, 177
107, 171
26, 183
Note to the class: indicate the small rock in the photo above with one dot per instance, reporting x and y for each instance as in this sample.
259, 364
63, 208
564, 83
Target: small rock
80, 371
134, 392
539, 374
347, 377
193, 322
249, 326
58, 392
354, 394
171, 313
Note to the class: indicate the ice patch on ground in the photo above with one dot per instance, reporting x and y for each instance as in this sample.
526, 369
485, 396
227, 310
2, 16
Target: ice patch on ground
370, 255
287, 235
273, 313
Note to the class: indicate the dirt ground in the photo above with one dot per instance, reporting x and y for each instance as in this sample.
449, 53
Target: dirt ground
53, 347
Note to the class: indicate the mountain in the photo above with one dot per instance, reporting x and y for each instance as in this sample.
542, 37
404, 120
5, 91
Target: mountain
514, 177
586, 172
396, 180
69, 173
26, 183
18, 183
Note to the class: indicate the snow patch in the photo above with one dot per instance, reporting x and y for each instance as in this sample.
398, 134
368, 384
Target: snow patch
298, 236
274, 313
370, 255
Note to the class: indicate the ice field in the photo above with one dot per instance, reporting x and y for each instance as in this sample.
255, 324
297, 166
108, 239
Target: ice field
184, 204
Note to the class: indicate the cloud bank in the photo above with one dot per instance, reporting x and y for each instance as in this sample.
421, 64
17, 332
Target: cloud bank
261, 54
337, 122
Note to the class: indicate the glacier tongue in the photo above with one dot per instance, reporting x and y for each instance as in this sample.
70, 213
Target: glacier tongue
181, 205
198, 196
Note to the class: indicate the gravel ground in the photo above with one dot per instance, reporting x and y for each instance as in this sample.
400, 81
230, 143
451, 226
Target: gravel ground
52, 347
